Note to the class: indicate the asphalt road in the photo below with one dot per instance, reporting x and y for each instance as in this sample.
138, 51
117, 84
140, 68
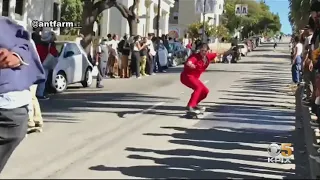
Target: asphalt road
134, 128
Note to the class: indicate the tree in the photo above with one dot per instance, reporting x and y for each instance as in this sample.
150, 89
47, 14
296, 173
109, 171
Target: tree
93, 8
258, 20
194, 28
211, 30
71, 10
299, 13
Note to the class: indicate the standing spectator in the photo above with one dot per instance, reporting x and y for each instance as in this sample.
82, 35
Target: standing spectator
185, 41
297, 61
35, 115
79, 39
157, 65
36, 35
46, 50
136, 59
20, 68
143, 54
101, 61
152, 54
113, 58
124, 49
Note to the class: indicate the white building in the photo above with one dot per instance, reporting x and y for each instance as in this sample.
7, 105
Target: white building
113, 22
24, 11
184, 13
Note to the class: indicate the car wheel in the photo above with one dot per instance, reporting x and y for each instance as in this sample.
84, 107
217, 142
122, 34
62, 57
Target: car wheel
88, 79
60, 82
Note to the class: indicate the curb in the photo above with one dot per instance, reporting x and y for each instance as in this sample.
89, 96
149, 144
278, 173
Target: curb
303, 119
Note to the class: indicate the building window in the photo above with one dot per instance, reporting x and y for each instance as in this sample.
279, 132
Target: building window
175, 15
5, 7
56, 12
19, 9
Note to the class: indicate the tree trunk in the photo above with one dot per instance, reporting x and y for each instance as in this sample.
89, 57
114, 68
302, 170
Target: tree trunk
88, 20
133, 25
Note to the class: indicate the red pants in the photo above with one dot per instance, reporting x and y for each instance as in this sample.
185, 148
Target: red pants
200, 90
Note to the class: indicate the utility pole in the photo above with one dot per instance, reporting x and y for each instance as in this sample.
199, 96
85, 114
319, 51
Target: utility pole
158, 31
158, 18
204, 20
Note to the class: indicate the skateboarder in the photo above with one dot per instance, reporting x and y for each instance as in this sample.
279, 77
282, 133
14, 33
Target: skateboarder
195, 65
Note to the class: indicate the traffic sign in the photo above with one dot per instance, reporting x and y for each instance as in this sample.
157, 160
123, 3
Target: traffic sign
241, 9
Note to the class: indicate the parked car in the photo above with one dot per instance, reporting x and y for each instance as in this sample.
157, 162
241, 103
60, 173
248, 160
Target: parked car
179, 54
243, 49
72, 67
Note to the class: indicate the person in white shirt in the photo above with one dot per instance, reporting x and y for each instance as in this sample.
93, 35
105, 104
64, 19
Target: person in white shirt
185, 40
113, 58
79, 38
152, 54
297, 61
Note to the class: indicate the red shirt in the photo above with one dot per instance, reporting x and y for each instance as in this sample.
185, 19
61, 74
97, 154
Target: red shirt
201, 66
43, 51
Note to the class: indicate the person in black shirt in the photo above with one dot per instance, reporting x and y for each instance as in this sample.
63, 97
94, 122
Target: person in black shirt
124, 49
36, 37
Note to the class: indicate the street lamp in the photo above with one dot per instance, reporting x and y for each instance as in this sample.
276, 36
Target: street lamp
158, 31
204, 20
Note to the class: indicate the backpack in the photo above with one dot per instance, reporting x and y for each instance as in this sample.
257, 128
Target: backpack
121, 45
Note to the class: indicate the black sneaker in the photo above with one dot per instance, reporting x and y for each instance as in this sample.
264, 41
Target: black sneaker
43, 98
99, 86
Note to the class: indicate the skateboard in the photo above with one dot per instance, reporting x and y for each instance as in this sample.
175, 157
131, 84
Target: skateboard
35, 129
194, 115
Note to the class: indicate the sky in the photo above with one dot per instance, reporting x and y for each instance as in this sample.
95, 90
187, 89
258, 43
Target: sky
282, 8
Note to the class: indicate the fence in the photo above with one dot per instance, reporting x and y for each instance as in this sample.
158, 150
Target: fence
303, 119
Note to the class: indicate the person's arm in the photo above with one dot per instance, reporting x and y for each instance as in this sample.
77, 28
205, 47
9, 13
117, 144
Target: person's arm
190, 63
211, 56
139, 46
15, 45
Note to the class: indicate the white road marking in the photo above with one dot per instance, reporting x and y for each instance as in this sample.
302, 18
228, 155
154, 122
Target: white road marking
206, 81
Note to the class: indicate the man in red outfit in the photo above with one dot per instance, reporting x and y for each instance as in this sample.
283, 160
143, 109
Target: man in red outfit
193, 68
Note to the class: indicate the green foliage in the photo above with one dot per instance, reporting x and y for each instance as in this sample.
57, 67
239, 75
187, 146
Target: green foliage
258, 20
211, 30
299, 13
71, 10
66, 38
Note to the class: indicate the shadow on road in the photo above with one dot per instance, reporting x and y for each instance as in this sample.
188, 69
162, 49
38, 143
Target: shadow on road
228, 160
272, 56
232, 150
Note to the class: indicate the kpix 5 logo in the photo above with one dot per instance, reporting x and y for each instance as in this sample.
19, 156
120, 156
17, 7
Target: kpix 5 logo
280, 153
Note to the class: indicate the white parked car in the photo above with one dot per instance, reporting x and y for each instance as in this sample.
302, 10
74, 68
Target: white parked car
72, 67
243, 49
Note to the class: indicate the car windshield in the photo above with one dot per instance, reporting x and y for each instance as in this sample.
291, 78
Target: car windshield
59, 47
241, 46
